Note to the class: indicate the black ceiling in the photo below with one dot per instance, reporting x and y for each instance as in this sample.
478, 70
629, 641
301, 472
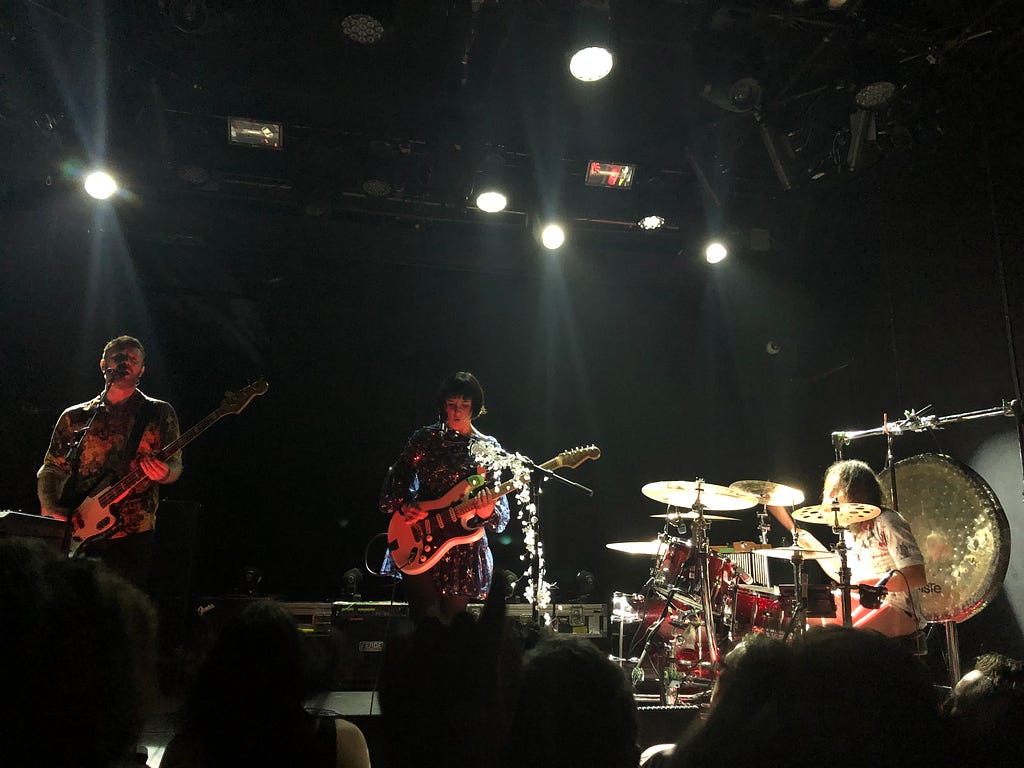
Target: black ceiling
150, 84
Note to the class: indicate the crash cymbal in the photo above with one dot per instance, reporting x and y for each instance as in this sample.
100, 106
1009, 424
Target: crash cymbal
692, 516
772, 494
637, 547
788, 552
685, 493
843, 515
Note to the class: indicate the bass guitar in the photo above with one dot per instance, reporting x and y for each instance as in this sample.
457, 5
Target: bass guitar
94, 519
417, 547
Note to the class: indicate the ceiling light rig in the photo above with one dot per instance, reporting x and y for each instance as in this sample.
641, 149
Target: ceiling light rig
365, 22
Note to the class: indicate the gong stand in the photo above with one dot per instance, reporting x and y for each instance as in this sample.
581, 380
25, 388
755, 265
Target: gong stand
915, 421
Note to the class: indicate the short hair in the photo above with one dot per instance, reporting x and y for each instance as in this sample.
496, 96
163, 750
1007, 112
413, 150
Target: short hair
462, 384
857, 480
123, 341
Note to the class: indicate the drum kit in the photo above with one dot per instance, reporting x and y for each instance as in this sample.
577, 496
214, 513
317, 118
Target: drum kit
700, 599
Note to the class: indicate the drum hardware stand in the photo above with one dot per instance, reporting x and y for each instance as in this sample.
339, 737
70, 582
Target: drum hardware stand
798, 622
844, 569
702, 547
763, 526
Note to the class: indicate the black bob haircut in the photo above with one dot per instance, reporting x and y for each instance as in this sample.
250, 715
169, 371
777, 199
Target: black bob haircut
461, 384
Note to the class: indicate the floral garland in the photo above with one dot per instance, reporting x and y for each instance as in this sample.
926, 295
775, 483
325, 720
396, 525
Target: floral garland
487, 453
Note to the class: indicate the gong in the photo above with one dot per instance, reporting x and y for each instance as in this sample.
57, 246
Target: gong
961, 529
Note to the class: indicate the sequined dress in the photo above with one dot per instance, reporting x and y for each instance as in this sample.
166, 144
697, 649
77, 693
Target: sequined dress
435, 459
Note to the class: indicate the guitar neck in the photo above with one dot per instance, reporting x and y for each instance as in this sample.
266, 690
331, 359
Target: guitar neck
504, 489
137, 475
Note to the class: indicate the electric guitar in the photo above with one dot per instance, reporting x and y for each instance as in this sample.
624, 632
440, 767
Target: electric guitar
94, 519
417, 547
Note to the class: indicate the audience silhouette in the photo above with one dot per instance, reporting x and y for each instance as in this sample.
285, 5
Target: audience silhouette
245, 707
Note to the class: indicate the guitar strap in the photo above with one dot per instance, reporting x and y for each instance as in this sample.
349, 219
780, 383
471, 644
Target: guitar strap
146, 411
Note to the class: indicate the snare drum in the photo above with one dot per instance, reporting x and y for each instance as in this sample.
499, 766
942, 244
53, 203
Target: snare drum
758, 610
669, 562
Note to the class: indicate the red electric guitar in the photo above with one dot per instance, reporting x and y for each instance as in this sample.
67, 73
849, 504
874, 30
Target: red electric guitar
417, 547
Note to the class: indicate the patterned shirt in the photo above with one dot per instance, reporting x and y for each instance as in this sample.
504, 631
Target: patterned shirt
879, 546
105, 457
434, 460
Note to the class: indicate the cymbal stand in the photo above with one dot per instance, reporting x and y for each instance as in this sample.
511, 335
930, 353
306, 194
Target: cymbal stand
798, 621
844, 569
763, 526
702, 547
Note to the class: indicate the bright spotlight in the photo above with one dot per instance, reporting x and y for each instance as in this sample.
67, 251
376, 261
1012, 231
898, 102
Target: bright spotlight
715, 252
651, 222
552, 236
590, 64
491, 201
100, 185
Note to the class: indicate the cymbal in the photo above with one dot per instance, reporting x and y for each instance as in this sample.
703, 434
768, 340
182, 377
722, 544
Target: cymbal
684, 493
827, 514
772, 494
637, 547
692, 516
788, 552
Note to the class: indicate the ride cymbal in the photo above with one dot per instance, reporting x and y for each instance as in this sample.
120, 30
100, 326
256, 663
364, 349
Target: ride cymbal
686, 493
769, 493
788, 552
842, 515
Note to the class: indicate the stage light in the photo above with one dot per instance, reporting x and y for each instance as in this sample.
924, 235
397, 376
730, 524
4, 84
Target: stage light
552, 236
490, 185
252, 133
591, 64
491, 201
363, 28
651, 222
100, 185
590, 41
715, 252
875, 95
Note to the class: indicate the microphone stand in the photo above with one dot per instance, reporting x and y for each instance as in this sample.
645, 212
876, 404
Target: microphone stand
74, 457
537, 561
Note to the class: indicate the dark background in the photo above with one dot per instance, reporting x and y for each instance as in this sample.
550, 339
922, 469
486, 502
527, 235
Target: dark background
884, 287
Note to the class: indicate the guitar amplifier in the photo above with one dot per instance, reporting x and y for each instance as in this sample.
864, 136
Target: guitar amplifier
361, 632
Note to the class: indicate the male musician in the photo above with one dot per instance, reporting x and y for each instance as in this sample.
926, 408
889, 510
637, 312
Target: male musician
881, 552
436, 458
128, 431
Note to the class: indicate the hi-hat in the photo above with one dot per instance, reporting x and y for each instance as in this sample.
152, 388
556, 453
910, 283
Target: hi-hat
673, 516
789, 552
686, 493
638, 547
772, 494
842, 515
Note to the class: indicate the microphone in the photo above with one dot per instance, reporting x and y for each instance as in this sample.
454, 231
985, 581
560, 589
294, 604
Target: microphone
743, 576
115, 373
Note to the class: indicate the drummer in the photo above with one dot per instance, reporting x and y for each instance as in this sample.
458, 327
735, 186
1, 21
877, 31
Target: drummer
881, 552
